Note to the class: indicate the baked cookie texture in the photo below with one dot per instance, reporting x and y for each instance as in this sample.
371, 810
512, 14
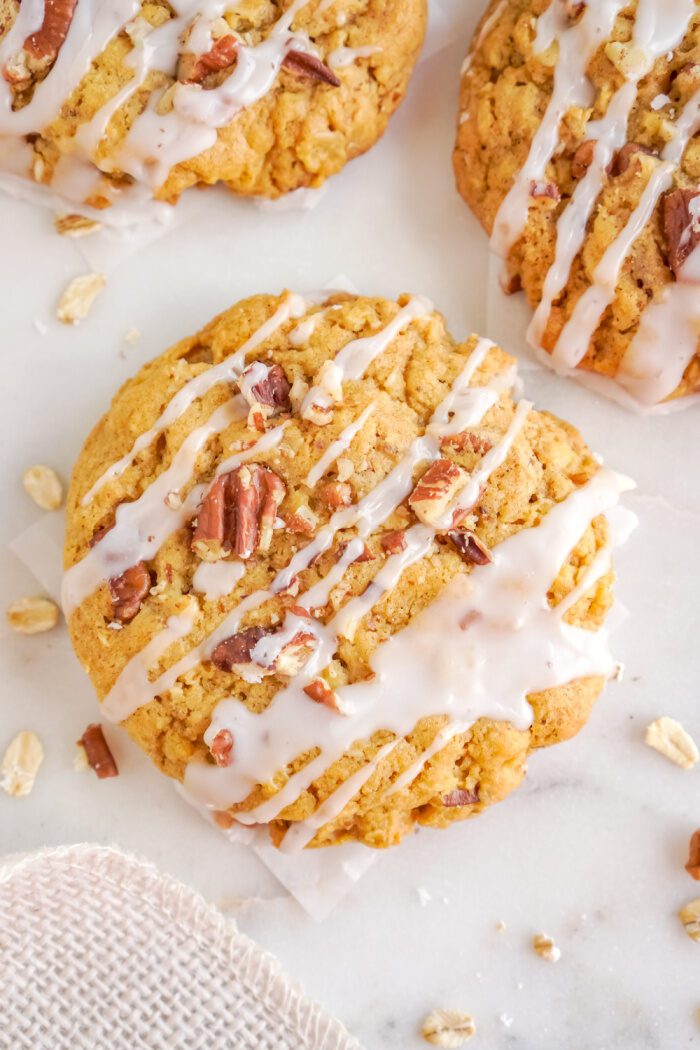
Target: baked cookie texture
410, 374
592, 111
265, 96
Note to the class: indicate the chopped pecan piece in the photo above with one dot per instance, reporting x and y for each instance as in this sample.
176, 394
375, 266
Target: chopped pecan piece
193, 69
266, 389
461, 797
306, 65
693, 865
97, 752
335, 494
394, 542
469, 547
235, 653
294, 655
303, 521
583, 158
545, 189
467, 439
364, 555
48, 39
238, 513
435, 490
129, 590
221, 748
321, 693
681, 227
624, 156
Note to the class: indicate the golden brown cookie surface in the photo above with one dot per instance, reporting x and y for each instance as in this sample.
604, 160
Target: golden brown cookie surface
265, 96
283, 506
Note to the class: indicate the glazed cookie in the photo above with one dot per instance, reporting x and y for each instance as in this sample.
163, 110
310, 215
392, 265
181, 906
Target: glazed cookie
132, 100
330, 575
578, 150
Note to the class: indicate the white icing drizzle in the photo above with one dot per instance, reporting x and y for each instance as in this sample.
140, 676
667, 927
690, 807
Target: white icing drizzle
346, 56
577, 333
300, 335
673, 324
142, 526
667, 338
367, 515
434, 666
337, 447
227, 371
134, 678
657, 29
214, 579
577, 44
156, 141
356, 356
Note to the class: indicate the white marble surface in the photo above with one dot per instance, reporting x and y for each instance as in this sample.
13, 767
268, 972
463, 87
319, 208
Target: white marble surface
592, 848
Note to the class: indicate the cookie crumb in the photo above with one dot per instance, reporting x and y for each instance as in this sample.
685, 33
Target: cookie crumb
670, 739
132, 336
21, 763
32, 615
77, 299
545, 947
448, 1028
44, 486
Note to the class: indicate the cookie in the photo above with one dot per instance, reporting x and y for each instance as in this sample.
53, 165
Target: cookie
134, 100
578, 150
331, 576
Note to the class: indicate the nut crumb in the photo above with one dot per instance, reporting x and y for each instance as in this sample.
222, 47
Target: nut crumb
44, 486
97, 752
693, 865
501, 926
690, 917
546, 948
77, 299
670, 739
76, 225
32, 615
448, 1028
21, 763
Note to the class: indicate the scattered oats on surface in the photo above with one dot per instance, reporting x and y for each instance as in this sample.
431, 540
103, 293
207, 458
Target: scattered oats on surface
546, 948
448, 1028
690, 917
21, 763
670, 739
132, 336
44, 486
76, 225
78, 297
80, 759
32, 615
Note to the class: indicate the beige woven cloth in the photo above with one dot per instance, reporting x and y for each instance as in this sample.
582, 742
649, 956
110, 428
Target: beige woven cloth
99, 951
